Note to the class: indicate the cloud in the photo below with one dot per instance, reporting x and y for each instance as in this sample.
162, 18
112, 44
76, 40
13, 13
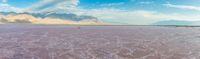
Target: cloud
112, 4
146, 2
4, 1
53, 5
8, 8
138, 17
5, 7
185, 7
27, 18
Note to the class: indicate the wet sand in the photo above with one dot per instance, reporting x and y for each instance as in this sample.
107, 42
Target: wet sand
98, 42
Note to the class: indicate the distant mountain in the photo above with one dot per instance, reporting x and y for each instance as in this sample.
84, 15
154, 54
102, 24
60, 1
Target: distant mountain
47, 18
174, 22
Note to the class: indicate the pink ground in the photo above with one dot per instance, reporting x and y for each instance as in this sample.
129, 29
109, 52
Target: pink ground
98, 42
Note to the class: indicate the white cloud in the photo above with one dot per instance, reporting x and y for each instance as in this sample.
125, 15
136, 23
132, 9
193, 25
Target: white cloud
75, 2
53, 5
4, 7
113, 4
9, 8
185, 7
4, 1
146, 2
139, 17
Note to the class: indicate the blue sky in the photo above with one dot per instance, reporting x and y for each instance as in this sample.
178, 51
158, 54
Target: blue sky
21, 3
115, 11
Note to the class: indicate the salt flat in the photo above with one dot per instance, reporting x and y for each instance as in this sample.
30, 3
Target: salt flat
98, 42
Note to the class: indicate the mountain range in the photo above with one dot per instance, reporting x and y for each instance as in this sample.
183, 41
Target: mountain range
176, 22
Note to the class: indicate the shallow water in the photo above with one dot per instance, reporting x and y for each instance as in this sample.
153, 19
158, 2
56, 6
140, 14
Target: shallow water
98, 42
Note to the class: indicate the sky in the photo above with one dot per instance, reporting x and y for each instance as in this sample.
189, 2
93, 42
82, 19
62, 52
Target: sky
136, 12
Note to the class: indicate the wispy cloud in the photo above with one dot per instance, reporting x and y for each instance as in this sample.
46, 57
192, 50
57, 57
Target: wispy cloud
111, 14
4, 1
185, 7
7, 8
146, 2
139, 17
53, 5
113, 4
